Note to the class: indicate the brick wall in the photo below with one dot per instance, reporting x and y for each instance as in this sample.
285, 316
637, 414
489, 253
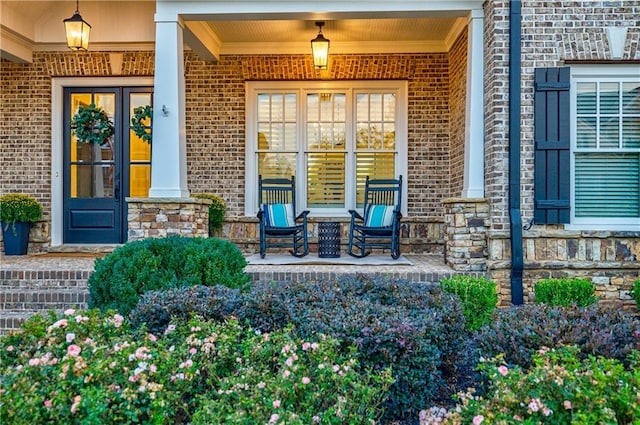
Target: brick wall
457, 108
215, 118
552, 33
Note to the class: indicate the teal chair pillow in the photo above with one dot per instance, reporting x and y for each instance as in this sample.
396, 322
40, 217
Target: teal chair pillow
279, 215
379, 215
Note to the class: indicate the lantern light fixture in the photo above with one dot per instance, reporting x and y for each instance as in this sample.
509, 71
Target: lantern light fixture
320, 49
77, 30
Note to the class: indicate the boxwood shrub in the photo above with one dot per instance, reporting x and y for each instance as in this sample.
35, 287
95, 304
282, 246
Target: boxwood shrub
121, 277
478, 295
635, 293
518, 332
565, 292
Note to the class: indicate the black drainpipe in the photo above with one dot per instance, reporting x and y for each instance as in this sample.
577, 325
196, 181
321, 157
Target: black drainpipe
515, 217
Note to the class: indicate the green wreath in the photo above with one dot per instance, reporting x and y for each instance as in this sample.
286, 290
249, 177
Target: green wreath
91, 124
142, 115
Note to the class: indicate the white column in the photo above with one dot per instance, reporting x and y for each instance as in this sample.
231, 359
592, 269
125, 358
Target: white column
169, 151
473, 186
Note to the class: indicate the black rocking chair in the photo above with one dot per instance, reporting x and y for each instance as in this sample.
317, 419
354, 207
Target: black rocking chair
380, 226
279, 225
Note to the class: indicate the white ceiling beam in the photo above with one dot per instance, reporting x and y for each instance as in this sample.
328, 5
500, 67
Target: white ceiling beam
202, 40
15, 47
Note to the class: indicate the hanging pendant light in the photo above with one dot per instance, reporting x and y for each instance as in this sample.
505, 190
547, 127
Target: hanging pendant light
320, 49
77, 30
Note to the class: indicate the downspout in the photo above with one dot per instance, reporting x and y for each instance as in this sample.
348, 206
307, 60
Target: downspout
515, 215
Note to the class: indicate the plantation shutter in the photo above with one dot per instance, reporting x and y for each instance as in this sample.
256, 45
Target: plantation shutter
552, 155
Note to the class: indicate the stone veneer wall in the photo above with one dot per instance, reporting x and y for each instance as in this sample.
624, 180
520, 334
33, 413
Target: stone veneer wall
466, 222
552, 33
609, 259
160, 217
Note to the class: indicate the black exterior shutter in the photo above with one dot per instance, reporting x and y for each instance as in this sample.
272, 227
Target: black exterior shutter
552, 155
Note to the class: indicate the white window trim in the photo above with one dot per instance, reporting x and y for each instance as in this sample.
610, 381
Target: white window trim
301, 88
600, 73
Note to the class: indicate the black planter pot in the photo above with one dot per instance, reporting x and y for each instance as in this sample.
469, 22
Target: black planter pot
16, 238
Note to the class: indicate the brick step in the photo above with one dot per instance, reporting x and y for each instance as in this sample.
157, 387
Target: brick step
44, 299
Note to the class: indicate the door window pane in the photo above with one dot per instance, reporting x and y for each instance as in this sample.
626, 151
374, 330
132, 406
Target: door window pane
139, 180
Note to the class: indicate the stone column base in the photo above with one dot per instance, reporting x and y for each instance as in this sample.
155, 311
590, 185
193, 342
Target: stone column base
160, 217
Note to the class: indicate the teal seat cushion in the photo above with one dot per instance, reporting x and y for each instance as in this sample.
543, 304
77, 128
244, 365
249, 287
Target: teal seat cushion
379, 215
279, 215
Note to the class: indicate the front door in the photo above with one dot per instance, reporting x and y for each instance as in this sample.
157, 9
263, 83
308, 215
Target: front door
97, 178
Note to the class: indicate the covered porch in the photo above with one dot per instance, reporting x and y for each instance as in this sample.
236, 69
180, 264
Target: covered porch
58, 280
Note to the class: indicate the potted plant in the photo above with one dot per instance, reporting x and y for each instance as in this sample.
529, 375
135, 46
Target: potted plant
217, 211
17, 212
141, 122
91, 124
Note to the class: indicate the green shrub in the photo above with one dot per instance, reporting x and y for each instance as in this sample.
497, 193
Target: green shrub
635, 293
559, 389
217, 211
414, 328
565, 292
156, 308
90, 368
518, 332
18, 207
162, 263
478, 295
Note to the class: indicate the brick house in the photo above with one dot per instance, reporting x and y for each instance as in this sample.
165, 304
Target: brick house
505, 146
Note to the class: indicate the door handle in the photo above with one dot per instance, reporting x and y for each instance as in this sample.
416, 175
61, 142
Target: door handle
116, 188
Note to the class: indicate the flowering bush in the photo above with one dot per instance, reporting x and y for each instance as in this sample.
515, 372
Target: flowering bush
559, 389
89, 367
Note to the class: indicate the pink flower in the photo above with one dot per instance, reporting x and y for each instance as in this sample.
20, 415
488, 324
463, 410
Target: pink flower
10, 348
567, 405
117, 320
34, 362
503, 370
477, 420
81, 319
76, 403
289, 362
534, 405
59, 324
286, 374
48, 404
69, 312
152, 338
306, 380
316, 419
276, 404
74, 350
546, 411
193, 350
274, 418
306, 346
170, 328
70, 336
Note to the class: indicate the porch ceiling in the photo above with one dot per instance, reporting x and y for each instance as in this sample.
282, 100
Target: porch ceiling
32, 25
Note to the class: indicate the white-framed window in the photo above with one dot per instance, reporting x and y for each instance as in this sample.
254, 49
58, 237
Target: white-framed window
605, 147
329, 135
